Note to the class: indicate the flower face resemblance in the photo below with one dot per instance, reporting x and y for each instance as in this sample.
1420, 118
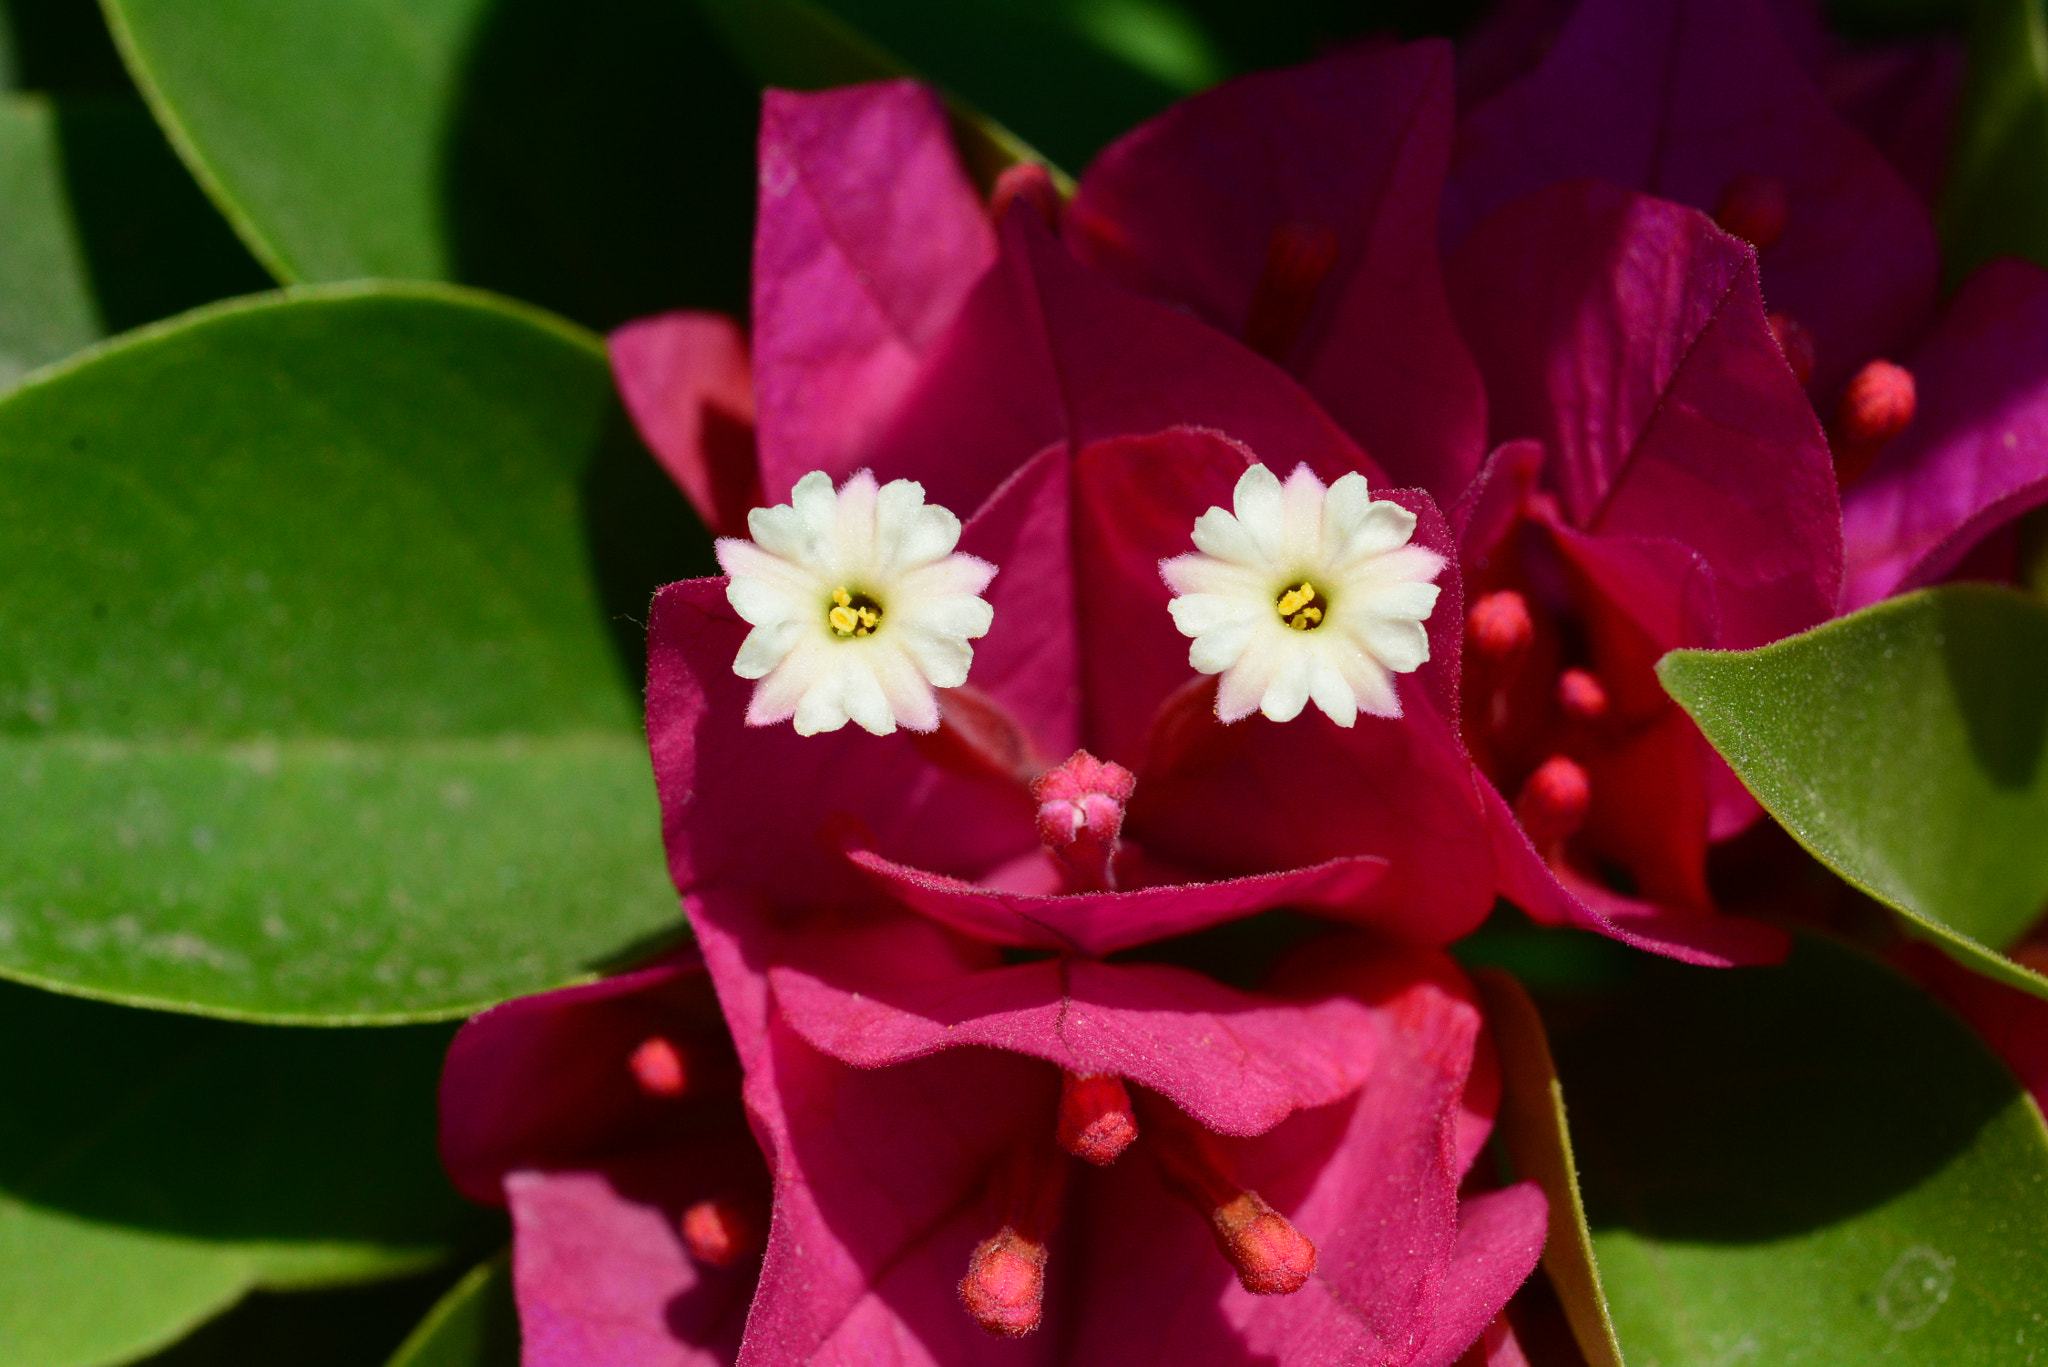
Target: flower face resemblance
1305, 593
859, 606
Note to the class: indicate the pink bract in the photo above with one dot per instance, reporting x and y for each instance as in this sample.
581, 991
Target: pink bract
851, 892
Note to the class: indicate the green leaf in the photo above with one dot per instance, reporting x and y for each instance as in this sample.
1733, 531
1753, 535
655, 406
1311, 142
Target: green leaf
1995, 202
103, 231
46, 305
153, 1168
1810, 1164
474, 1325
1538, 1143
1906, 746
320, 660
595, 158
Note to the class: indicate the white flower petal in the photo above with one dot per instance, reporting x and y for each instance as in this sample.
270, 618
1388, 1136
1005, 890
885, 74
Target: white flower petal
775, 697
1330, 690
1343, 506
929, 536
1398, 643
765, 648
1242, 685
907, 680
955, 575
1196, 613
1258, 503
1373, 685
1371, 581
1221, 535
1287, 691
958, 615
1301, 516
762, 604
853, 542
780, 532
865, 701
944, 658
877, 542
822, 707
1408, 565
1220, 649
1405, 599
1200, 574
1383, 526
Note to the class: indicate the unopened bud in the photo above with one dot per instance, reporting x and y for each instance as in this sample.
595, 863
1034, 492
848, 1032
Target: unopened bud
1554, 801
1876, 407
1031, 183
1499, 625
1796, 343
1080, 814
1878, 403
1004, 1288
719, 1232
1754, 208
1095, 1119
1271, 1256
658, 1067
1580, 695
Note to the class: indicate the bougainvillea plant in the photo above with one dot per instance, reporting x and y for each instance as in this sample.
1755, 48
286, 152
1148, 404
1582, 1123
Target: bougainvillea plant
850, 682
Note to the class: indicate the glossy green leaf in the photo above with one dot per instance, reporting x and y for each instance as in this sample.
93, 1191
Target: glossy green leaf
154, 1168
474, 1325
103, 229
1995, 201
595, 158
319, 663
1907, 747
1534, 1133
1810, 1164
46, 305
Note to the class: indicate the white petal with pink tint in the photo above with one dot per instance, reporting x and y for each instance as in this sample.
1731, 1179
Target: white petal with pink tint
1304, 594
859, 605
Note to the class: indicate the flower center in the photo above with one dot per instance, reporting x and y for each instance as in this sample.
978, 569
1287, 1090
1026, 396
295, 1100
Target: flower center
1301, 607
853, 613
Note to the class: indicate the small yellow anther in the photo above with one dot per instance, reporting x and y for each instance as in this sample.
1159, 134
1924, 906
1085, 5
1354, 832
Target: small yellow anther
1297, 607
849, 617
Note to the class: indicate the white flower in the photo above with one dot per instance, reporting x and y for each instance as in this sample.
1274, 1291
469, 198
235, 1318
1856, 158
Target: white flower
1306, 593
859, 606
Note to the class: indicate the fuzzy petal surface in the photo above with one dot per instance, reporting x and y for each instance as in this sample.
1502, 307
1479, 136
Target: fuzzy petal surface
687, 382
1236, 1062
1048, 352
1976, 453
1099, 923
759, 808
601, 1276
1678, 97
1185, 208
870, 236
1628, 336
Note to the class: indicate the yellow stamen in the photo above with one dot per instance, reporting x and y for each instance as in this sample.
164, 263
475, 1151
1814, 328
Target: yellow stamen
1296, 607
850, 618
